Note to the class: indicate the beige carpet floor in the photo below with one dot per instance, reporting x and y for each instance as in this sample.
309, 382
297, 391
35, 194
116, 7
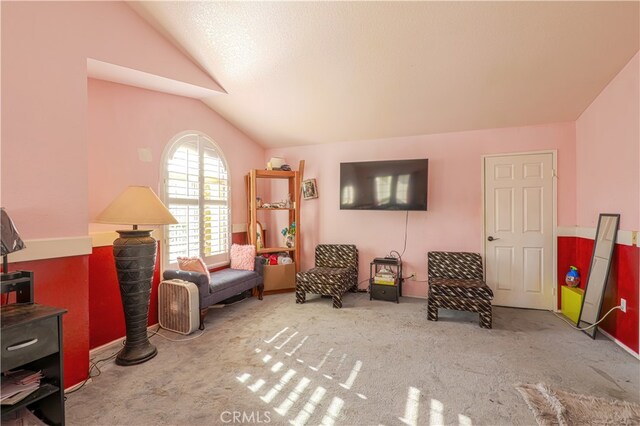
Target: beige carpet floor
370, 363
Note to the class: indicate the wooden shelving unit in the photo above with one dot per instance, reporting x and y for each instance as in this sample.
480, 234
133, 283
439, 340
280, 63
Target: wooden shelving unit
294, 182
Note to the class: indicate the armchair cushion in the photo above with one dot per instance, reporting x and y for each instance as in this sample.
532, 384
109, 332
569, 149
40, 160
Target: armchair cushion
460, 288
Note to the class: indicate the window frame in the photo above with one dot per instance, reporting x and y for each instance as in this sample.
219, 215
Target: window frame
172, 146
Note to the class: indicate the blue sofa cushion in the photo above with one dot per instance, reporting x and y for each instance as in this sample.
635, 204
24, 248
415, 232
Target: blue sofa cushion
227, 278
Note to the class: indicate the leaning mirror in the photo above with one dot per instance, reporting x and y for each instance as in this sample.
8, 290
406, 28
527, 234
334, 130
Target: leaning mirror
603, 246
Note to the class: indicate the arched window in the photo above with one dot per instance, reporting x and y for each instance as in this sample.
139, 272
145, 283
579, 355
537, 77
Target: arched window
196, 190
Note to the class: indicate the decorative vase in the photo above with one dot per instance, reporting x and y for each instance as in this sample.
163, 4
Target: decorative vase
289, 240
135, 256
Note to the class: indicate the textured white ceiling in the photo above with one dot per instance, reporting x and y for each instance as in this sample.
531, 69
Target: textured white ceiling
315, 72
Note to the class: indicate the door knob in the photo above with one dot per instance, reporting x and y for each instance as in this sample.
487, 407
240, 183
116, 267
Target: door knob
492, 239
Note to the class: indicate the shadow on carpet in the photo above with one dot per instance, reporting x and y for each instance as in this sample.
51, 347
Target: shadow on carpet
556, 407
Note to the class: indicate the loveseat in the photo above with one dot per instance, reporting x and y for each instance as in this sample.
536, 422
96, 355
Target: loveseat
221, 285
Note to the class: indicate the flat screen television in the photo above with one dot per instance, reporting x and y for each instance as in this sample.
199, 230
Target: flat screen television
384, 185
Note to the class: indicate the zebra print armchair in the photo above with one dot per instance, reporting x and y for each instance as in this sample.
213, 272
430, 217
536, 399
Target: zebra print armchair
456, 282
335, 273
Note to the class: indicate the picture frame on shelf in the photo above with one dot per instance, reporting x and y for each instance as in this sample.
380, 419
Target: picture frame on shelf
309, 189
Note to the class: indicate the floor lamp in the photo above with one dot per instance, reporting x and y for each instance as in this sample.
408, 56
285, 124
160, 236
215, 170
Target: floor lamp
135, 258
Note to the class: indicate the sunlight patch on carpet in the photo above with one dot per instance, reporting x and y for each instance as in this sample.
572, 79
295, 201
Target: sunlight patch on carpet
298, 346
464, 420
283, 409
276, 335
324, 359
303, 416
275, 390
333, 412
352, 376
303, 402
286, 341
436, 417
411, 408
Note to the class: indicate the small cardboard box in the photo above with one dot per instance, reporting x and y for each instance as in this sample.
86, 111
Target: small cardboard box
279, 277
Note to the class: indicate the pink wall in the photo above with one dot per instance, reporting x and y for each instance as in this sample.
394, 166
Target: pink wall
454, 218
607, 152
51, 179
123, 119
45, 46
608, 181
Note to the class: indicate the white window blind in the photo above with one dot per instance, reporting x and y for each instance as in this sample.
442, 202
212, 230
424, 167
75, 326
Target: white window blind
196, 190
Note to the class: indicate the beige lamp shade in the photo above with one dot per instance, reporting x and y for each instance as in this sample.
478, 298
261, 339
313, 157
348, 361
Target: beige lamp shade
137, 205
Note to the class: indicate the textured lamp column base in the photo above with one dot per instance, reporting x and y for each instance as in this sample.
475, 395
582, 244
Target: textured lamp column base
135, 256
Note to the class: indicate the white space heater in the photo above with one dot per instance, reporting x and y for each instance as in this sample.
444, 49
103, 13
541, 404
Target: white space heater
178, 306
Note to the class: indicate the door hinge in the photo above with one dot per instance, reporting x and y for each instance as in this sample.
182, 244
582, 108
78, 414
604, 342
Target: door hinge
553, 291
554, 173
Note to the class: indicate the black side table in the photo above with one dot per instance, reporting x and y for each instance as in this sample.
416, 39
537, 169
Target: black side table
32, 340
388, 291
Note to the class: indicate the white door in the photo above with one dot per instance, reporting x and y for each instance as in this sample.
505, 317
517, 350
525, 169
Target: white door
519, 206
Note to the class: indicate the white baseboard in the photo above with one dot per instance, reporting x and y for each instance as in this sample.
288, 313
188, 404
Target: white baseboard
619, 343
78, 385
93, 352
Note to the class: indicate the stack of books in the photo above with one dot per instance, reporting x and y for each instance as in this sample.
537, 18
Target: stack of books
385, 277
18, 384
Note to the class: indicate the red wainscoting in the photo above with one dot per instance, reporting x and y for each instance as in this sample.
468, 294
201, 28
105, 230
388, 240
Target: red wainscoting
87, 286
239, 238
106, 316
63, 283
623, 284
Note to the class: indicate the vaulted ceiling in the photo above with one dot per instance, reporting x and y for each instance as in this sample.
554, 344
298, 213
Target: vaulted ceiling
300, 73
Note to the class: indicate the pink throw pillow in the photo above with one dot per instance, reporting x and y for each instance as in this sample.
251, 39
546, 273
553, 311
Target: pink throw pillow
242, 257
193, 264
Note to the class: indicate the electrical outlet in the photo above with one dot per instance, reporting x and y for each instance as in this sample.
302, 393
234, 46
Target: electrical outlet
412, 277
623, 305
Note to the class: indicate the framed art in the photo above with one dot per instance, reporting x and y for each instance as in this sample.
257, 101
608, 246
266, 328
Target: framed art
309, 189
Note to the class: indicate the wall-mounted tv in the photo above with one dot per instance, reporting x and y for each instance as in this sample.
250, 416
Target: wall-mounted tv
384, 185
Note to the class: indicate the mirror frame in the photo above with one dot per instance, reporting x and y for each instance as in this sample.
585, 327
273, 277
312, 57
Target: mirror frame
592, 331
259, 235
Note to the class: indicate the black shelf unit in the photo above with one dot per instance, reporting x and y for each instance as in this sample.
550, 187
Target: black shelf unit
32, 340
390, 292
